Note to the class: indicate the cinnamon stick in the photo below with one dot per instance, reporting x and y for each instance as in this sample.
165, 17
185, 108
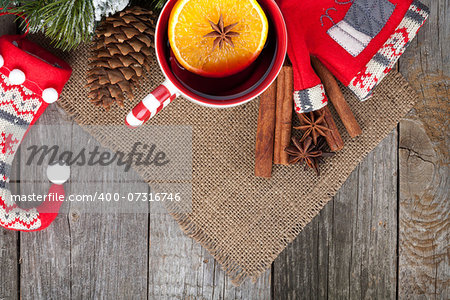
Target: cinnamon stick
265, 132
337, 98
284, 108
279, 111
332, 136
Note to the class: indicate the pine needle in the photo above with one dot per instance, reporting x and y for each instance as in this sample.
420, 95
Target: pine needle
66, 22
5, 4
154, 5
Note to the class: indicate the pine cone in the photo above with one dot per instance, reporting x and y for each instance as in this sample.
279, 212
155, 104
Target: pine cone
121, 48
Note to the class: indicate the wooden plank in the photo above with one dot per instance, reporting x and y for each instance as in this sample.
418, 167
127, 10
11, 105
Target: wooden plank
109, 249
9, 284
297, 271
424, 270
424, 216
45, 255
179, 268
374, 249
349, 250
343, 217
8, 265
83, 255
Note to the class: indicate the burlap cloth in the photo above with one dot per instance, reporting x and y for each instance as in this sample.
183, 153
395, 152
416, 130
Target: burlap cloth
244, 221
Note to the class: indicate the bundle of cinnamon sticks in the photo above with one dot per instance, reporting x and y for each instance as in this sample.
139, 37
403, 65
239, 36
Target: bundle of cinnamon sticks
275, 119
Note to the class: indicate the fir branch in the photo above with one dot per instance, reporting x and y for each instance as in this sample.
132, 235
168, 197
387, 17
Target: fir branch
66, 22
6, 4
157, 4
154, 5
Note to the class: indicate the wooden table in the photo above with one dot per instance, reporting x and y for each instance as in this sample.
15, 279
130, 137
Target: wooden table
385, 234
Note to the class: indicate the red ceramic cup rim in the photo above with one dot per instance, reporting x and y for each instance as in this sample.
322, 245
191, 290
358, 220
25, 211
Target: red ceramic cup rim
280, 32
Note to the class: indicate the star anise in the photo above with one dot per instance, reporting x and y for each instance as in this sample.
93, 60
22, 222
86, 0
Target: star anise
312, 126
304, 152
223, 34
323, 147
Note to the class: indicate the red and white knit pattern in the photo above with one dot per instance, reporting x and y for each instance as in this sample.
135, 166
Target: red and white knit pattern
15, 218
383, 62
311, 99
18, 108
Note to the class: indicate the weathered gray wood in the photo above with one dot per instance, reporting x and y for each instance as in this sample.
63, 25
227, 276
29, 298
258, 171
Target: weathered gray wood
341, 230
298, 270
374, 244
179, 268
82, 255
424, 270
8, 239
109, 249
8, 265
349, 250
45, 255
424, 216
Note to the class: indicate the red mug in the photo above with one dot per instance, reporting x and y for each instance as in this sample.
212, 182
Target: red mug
212, 92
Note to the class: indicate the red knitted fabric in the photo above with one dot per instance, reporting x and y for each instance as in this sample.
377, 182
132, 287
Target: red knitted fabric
358, 40
30, 79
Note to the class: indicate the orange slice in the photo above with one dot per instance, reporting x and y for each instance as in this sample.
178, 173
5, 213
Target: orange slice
198, 49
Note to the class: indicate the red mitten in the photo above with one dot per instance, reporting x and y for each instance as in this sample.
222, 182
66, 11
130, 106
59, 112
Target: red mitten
359, 41
30, 79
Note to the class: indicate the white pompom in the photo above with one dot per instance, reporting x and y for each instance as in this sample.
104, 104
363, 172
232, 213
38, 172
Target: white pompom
2, 61
50, 95
17, 77
58, 173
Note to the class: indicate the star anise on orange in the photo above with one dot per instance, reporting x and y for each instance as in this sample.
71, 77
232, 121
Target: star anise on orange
221, 33
304, 153
313, 125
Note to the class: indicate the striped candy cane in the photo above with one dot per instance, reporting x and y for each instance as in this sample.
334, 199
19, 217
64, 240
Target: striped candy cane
162, 96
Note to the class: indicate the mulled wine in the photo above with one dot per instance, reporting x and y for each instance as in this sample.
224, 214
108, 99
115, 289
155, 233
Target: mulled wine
230, 87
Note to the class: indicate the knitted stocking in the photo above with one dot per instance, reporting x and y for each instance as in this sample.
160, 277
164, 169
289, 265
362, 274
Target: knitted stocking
359, 41
30, 79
